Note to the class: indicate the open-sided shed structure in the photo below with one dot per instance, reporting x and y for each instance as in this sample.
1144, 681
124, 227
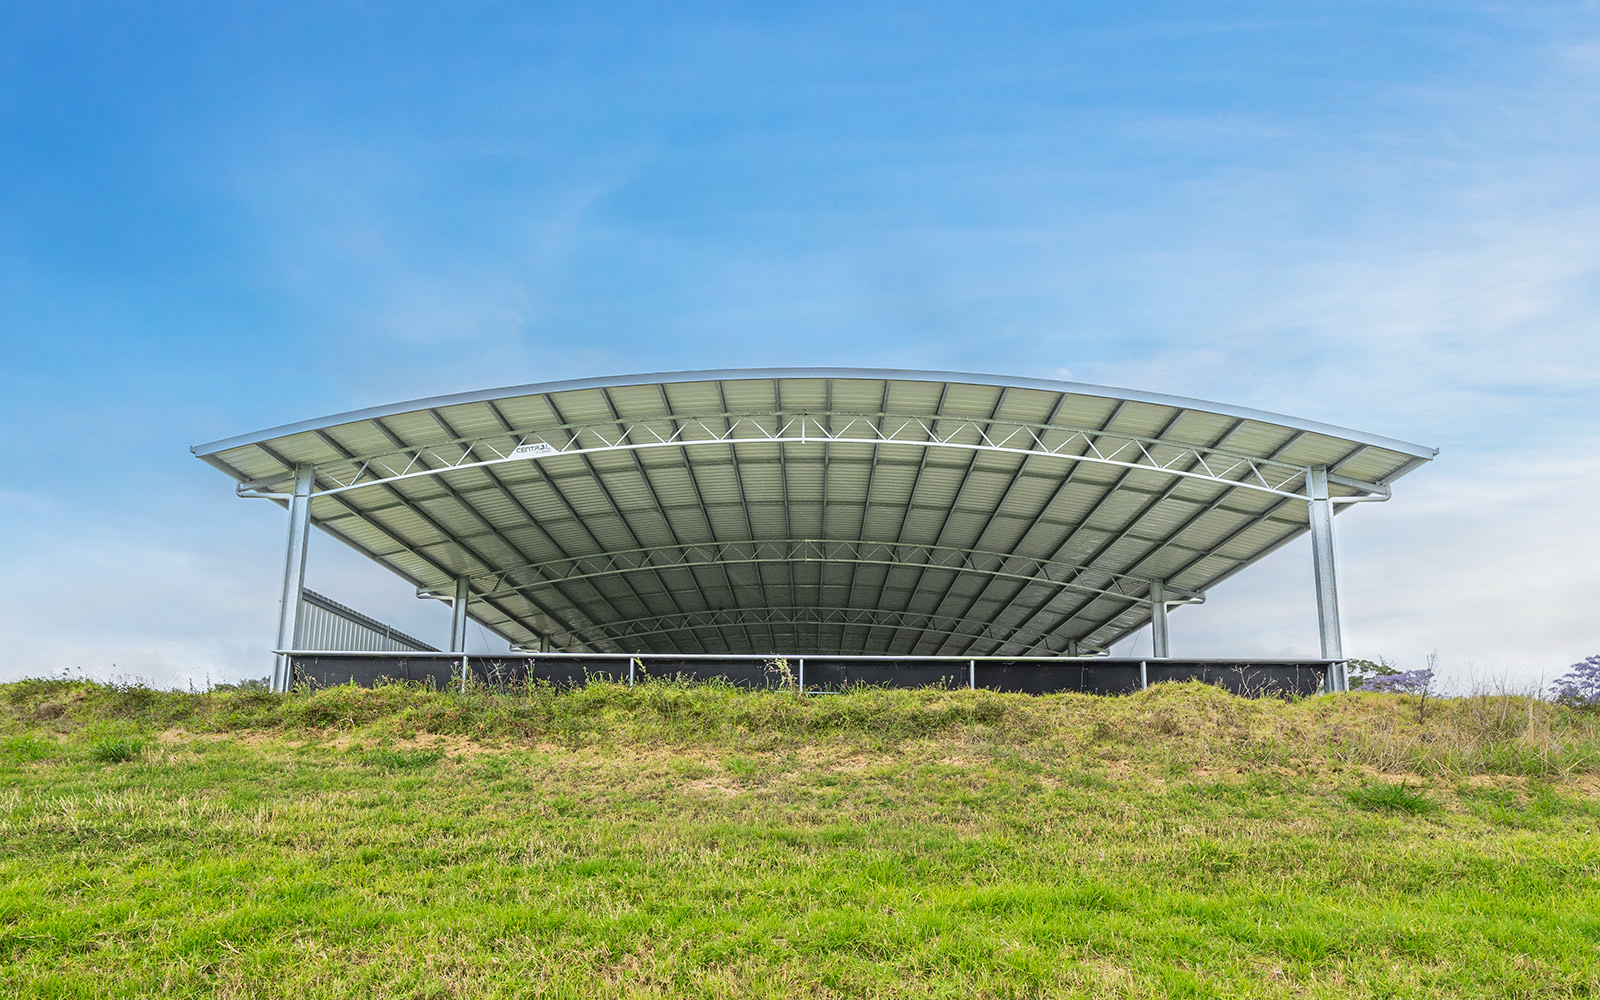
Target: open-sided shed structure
838, 511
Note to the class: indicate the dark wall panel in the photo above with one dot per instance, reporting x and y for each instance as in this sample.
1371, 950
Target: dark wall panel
1243, 678
889, 673
1096, 676
329, 671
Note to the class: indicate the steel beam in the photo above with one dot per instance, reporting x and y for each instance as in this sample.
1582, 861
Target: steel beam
949, 509
366, 517
605, 493
1159, 639
458, 617
507, 494
294, 574
1253, 521
1326, 578
1124, 532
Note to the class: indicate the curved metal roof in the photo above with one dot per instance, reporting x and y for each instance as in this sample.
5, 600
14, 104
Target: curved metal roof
813, 510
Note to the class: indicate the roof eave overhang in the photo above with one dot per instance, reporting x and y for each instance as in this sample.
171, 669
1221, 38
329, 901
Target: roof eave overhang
1422, 452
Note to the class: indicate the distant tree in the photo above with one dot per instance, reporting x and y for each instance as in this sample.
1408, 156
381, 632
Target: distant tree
250, 684
1362, 671
1400, 682
1392, 681
1580, 685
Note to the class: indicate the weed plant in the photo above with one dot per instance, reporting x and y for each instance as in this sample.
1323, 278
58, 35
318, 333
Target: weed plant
1396, 797
401, 760
116, 750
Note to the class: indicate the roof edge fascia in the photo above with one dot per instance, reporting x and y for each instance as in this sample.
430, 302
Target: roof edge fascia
1418, 451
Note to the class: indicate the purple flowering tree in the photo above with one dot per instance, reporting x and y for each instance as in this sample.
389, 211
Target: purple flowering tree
1404, 682
1580, 685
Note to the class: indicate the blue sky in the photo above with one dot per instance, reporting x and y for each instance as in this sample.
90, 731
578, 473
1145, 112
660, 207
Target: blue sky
215, 218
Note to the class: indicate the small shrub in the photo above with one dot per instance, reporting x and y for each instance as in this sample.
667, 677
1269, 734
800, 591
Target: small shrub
116, 750
48, 711
401, 760
1391, 798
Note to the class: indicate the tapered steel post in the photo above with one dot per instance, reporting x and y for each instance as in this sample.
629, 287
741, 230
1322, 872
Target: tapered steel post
294, 575
1158, 621
458, 627
1326, 578
458, 617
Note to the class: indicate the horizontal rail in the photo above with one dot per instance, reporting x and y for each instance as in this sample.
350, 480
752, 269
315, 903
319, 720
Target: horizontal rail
1310, 661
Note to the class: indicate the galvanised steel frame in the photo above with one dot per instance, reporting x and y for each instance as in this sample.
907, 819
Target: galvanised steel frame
1076, 445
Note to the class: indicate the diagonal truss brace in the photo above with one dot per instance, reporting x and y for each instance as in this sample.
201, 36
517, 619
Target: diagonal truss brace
555, 572
690, 621
1098, 446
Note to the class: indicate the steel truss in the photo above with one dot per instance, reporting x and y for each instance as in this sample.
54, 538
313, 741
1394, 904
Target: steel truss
1094, 445
1071, 576
741, 618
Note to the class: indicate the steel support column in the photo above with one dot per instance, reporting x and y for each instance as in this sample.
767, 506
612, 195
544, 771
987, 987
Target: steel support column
1321, 510
294, 574
458, 617
1159, 640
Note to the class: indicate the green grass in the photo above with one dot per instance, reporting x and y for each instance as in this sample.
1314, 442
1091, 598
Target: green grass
675, 840
1393, 797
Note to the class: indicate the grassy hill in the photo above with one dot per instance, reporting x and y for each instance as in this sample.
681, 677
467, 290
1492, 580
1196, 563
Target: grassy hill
672, 840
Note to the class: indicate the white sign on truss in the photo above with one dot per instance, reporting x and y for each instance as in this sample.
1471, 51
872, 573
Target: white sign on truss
533, 449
